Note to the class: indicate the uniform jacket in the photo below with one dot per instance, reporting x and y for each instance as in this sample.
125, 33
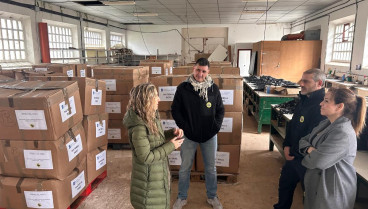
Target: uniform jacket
200, 120
149, 187
307, 115
330, 180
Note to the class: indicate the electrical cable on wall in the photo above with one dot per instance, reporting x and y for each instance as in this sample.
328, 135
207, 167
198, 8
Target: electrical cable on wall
140, 28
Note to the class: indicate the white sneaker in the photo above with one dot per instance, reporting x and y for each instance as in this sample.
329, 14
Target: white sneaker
179, 203
215, 202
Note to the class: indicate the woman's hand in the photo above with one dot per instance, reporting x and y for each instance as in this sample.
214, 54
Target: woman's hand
179, 133
177, 142
310, 149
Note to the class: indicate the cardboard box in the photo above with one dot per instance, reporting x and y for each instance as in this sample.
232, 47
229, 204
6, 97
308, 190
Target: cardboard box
287, 91
96, 163
117, 133
22, 74
44, 159
116, 106
167, 120
201, 55
220, 64
80, 70
92, 92
90, 70
158, 68
227, 159
20, 193
36, 110
8, 73
231, 129
121, 79
231, 88
166, 88
224, 70
95, 127
183, 70
64, 69
5, 79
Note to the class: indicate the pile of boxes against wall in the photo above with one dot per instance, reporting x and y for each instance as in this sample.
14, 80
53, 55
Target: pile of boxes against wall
158, 67
55, 139
119, 81
229, 137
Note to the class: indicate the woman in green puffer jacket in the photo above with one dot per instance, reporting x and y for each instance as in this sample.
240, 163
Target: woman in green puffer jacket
150, 187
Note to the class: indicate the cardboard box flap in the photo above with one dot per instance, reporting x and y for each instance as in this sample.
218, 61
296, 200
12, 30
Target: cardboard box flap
121, 72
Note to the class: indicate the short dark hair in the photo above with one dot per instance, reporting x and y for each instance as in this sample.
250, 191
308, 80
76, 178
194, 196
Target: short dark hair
318, 75
203, 62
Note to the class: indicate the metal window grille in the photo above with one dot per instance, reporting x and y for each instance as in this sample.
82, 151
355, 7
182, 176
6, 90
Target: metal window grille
60, 38
92, 39
12, 44
116, 39
343, 42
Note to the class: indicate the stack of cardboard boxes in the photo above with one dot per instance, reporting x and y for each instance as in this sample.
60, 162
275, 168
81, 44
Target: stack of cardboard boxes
214, 70
119, 81
158, 67
42, 144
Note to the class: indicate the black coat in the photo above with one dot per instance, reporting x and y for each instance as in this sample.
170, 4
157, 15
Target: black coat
200, 120
307, 115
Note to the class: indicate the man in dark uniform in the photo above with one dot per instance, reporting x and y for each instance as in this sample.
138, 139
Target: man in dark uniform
306, 116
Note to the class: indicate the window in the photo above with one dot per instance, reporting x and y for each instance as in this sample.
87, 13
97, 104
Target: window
92, 39
116, 39
60, 39
12, 46
343, 42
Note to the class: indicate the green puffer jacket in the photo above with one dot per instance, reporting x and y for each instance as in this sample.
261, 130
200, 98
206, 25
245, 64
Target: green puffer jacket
150, 187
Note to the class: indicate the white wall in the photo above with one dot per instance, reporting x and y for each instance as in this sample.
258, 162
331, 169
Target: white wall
32, 18
170, 42
326, 23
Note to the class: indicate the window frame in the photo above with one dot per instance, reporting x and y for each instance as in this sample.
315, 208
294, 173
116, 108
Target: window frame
122, 42
57, 36
342, 44
13, 36
92, 35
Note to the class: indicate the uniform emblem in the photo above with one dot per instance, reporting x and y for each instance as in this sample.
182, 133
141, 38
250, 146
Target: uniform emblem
209, 105
301, 119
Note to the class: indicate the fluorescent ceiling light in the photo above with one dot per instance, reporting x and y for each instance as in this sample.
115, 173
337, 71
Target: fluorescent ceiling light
259, 0
117, 3
145, 14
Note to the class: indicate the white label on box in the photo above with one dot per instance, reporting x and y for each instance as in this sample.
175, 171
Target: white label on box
38, 159
43, 199
100, 160
167, 71
40, 69
64, 109
110, 84
166, 93
114, 133
168, 124
100, 128
227, 97
92, 73
113, 107
70, 73
222, 159
156, 70
227, 125
31, 119
171, 70
96, 98
78, 184
175, 158
83, 73
74, 147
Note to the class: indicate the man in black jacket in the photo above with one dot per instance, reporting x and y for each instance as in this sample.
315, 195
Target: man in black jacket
306, 116
198, 110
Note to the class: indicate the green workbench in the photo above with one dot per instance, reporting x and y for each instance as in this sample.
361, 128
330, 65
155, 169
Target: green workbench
259, 103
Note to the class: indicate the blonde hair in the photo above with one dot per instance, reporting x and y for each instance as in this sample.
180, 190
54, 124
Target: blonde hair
354, 106
140, 102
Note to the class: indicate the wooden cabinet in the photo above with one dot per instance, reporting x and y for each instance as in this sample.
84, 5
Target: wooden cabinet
287, 59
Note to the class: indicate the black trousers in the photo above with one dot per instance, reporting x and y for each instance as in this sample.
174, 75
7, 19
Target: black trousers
292, 172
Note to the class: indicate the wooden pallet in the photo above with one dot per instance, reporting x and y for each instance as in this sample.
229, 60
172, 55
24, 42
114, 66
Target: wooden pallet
222, 178
119, 146
91, 187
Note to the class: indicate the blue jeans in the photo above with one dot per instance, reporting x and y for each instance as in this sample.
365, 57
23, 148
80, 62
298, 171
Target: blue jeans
187, 153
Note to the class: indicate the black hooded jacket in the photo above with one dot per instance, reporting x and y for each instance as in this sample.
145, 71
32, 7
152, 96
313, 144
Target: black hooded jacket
200, 120
307, 115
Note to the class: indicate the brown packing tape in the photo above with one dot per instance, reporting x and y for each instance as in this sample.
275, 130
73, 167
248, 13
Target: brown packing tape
96, 84
19, 183
221, 81
39, 185
170, 81
72, 135
7, 143
35, 144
